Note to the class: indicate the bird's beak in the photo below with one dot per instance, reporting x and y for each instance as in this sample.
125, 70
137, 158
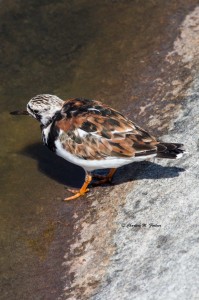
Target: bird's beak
18, 112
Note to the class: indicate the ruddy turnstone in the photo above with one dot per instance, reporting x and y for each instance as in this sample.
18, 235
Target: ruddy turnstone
94, 136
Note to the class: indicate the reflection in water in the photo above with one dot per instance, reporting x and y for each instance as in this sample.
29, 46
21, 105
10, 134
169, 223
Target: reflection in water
94, 49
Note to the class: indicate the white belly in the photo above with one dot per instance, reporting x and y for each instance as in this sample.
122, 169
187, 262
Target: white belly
90, 165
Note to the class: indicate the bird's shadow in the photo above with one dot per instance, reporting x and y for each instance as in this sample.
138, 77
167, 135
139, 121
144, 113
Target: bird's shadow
71, 175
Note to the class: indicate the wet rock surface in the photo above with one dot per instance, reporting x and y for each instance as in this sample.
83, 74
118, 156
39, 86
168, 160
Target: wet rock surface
143, 60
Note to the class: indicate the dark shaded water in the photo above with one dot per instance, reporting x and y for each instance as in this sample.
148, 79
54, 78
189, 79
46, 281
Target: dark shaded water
97, 49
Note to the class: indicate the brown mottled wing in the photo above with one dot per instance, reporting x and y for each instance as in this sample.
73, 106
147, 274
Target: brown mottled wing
92, 130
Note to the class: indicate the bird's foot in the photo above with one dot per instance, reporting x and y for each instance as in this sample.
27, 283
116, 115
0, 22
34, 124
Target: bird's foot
77, 194
82, 191
104, 179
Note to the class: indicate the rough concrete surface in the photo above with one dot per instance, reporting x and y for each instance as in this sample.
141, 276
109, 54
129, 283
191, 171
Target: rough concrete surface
157, 240
161, 260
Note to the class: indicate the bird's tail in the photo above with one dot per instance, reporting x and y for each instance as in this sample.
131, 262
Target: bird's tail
169, 150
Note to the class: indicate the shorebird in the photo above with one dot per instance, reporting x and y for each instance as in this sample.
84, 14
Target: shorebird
94, 136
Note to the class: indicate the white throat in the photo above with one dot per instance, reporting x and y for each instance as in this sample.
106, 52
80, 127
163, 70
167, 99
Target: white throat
48, 115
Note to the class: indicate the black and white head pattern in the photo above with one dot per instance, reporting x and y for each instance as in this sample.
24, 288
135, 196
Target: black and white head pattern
43, 107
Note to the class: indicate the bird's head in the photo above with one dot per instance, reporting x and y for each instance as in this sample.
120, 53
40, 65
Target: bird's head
43, 107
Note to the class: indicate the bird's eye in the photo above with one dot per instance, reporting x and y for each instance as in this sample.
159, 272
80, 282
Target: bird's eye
35, 111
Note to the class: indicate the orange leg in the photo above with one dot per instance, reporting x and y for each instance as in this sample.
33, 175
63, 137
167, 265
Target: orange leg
83, 189
105, 179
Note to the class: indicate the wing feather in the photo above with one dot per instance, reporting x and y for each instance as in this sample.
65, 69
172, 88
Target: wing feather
92, 130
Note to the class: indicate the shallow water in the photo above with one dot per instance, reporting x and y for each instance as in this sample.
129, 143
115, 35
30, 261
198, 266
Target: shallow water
107, 50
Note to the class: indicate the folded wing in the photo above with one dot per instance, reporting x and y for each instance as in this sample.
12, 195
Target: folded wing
92, 130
